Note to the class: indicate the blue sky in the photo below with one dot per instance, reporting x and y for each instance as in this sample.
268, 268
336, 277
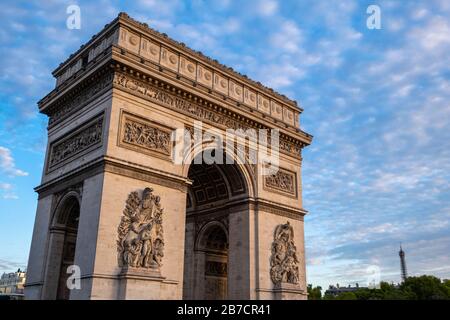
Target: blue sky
376, 101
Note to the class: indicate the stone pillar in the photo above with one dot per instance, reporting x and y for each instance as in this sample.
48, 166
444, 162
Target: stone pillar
199, 275
239, 256
53, 268
87, 238
37, 258
189, 264
112, 281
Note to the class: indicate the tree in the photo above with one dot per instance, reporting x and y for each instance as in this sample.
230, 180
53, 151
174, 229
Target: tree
425, 288
314, 293
347, 296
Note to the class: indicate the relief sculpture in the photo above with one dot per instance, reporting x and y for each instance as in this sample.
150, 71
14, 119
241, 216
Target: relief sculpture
144, 135
141, 241
77, 142
282, 181
283, 263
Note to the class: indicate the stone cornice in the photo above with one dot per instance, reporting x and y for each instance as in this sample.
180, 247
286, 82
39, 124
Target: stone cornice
158, 91
260, 205
143, 68
85, 47
125, 20
114, 165
82, 87
63, 104
280, 209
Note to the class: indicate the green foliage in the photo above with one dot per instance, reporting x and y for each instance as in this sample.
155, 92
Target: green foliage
426, 288
414, 288
314, 293
347, 296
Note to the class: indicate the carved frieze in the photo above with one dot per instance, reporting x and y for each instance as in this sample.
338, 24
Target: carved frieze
282, 181
80, 141
140, 242
79, 97
284, 261
144, 135
193, 109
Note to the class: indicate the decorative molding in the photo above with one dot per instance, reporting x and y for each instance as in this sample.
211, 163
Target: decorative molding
250, 165
283, 181
144, 135
284, 261
113, 165
80, 96
154, 46
163, 39
79, 141
197, 108
277, 209
150, 175
140, 242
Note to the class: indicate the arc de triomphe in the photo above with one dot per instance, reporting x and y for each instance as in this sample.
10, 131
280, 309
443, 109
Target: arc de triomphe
125, 213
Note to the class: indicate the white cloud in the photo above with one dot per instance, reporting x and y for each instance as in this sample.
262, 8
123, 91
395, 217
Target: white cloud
7, 193
434, 35
288, 38
7, 163
419, 13
5, 186
267, 7
10, 196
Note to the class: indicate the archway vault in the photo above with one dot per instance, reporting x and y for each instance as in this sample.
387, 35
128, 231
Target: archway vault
237, 175
216, 193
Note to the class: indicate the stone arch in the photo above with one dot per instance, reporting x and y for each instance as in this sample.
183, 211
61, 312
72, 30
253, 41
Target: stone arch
64, 207
218, 193
63, 232
200, 243
211, 260
242, 164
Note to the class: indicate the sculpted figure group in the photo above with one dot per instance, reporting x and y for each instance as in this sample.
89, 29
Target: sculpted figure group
284, 259
141, 241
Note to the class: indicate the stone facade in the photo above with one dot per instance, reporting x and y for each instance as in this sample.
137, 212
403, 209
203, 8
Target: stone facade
12, 283
138, 224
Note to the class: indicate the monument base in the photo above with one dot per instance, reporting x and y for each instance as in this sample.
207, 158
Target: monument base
140, 284
289, 291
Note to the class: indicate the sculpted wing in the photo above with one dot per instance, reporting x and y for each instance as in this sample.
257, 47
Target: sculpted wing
131, 206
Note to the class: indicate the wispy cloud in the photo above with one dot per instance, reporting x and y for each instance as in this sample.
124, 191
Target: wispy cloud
7, 163
267, 7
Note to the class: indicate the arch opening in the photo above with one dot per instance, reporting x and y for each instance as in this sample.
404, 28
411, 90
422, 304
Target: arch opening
62, 247
217, 191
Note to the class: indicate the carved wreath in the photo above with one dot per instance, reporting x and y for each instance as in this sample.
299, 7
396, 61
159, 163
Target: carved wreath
283, 262
140, 241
